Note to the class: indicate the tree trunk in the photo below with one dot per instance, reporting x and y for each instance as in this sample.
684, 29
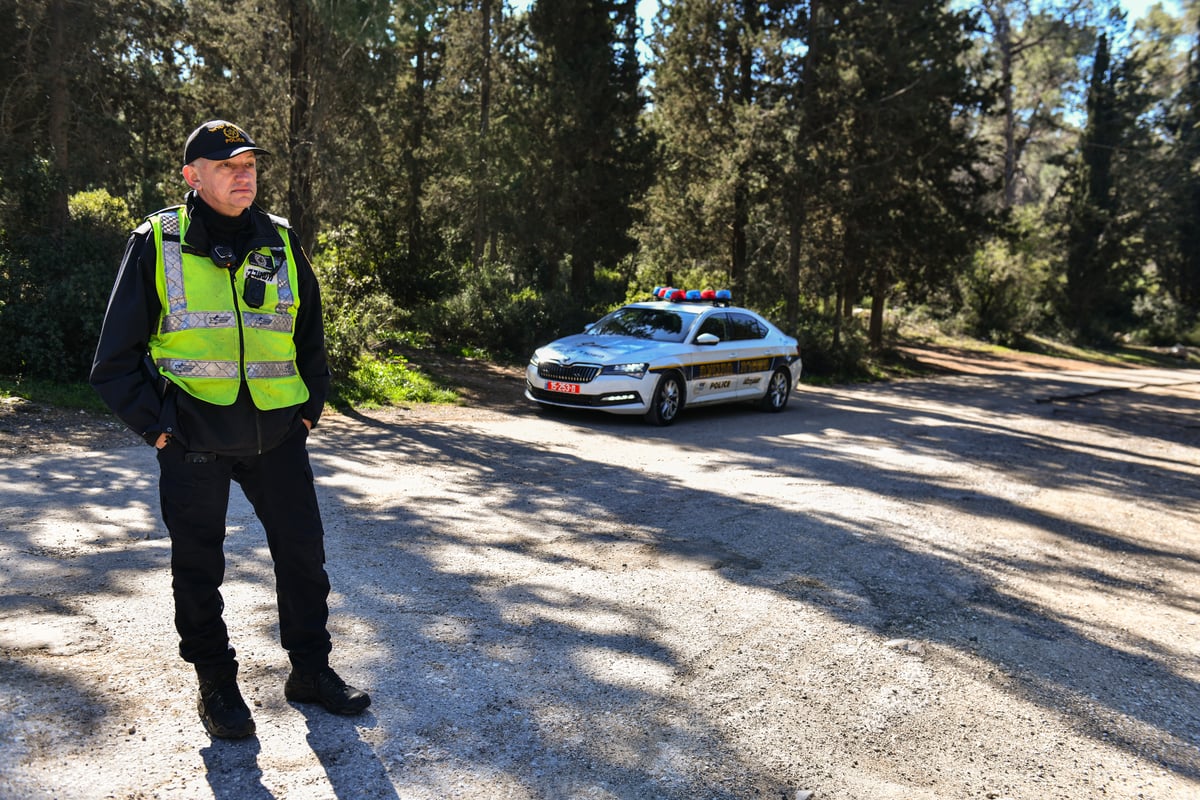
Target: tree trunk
791, 289
837, 317
582, 276
481, 167
416, 133
1004, 45
878, 294
59, 118
300, 131
741, 192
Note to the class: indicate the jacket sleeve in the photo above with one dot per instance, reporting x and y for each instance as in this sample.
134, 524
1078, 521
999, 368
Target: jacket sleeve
309, 336
122, 373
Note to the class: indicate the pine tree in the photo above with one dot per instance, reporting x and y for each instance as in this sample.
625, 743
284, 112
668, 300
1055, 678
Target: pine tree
911, 209
1035, 48
704, 95
1096, 296
304, 77
73, 72
592, 164
1181, 273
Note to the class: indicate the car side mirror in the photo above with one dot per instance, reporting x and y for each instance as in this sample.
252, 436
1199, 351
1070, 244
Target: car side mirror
708, 339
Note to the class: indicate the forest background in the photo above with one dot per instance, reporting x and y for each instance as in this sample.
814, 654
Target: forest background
484, 176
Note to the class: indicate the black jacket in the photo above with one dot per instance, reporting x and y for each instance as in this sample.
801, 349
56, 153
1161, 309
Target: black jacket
128, 383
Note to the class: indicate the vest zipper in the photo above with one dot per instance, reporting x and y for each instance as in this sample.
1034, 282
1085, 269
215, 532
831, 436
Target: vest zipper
237, 310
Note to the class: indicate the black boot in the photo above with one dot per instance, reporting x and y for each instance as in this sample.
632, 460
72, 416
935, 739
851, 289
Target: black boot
222, 709
325, 687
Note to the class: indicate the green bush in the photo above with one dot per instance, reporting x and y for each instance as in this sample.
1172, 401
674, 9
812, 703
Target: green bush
496, 314
832, 350
1001, 290
1162, 320
358, 315
1191, 336
54, 289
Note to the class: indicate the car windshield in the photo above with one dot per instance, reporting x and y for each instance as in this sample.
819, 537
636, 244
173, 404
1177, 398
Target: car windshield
656, 324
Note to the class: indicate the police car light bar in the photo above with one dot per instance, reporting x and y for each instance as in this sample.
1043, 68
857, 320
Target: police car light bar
672, 295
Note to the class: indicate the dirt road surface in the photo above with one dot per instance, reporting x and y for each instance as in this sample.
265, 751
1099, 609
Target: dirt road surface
983, 585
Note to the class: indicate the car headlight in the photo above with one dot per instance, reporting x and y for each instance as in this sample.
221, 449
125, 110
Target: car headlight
626, 370
534, 360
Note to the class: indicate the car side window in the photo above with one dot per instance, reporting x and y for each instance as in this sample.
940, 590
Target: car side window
714, 324
742, 326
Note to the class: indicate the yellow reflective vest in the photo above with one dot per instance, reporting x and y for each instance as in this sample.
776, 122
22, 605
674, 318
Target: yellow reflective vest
208, 340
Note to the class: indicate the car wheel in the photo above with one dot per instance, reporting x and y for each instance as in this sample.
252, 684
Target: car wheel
779, 388
667, 401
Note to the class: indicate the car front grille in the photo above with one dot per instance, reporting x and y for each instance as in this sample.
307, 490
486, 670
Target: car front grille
610, 400
575, 373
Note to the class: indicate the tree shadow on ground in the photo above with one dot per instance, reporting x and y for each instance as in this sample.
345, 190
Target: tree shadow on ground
477, 590
937, 596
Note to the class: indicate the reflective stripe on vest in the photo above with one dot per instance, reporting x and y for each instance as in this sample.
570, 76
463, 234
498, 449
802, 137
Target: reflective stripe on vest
200, 344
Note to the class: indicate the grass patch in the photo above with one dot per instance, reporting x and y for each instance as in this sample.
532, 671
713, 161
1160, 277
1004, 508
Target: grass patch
76, 395
892, 364
374, 383
1124, 355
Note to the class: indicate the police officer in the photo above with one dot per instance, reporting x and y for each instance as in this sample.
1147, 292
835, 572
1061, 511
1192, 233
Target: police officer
213, 351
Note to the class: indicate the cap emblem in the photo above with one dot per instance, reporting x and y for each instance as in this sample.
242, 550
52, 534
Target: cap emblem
233, 135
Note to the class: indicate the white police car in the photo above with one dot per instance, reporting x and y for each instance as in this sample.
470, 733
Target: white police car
653, 358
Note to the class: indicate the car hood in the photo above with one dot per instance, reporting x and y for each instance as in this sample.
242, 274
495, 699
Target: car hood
588, 349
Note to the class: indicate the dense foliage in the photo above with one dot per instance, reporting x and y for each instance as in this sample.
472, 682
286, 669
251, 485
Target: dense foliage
488, 175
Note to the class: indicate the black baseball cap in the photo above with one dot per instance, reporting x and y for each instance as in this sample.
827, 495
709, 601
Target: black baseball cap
218, 140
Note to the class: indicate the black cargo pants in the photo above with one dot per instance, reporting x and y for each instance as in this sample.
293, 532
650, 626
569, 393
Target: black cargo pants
194, 491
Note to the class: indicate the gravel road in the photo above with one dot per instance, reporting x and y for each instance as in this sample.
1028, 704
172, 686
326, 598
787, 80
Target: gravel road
982, 585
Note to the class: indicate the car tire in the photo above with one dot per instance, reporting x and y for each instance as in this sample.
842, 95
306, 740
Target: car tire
667, 401
779, 389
